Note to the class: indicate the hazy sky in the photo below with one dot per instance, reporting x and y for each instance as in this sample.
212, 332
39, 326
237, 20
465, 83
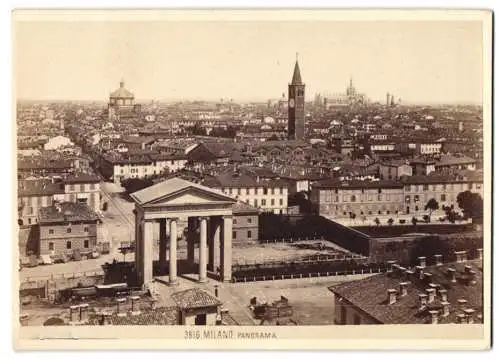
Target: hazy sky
417, 61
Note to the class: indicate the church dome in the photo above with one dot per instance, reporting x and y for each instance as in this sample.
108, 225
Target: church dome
121, 93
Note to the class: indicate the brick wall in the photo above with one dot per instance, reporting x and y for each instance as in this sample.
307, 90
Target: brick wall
245, 225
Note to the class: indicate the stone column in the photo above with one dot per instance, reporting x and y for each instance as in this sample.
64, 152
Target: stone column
226, 257
203, 250
190, 240
214, 243
173, 252
162, 257
138, 247
147, 251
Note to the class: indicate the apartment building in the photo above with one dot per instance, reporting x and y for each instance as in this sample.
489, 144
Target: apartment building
35, 194
341, 199
266, 194
67, 227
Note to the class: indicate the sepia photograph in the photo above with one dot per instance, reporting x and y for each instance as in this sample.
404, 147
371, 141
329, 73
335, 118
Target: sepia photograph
252, 178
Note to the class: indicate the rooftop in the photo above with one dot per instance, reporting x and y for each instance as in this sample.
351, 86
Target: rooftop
370, 294
66, 212
194, 298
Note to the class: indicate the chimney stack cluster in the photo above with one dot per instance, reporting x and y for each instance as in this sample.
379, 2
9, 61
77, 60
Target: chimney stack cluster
79, 314
461, 256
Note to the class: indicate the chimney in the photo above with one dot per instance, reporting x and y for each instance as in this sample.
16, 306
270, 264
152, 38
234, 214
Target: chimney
462, 304
120, 308
480, 254
472, 278
446, 308
391, 296
469, 315
461, 256
422, 301
431, 295
153, 304
434, 316
409, 274
84, 313
443, 295
452, 275
420, 272
74, 314
461, 318
403, 288
439, 259
135, 305
422, 261
428, 278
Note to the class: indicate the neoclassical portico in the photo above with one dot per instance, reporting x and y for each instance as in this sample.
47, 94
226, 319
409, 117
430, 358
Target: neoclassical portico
209, 220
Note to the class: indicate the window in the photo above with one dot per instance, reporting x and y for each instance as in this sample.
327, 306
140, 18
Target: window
272, 202
248, 191
416, 208
433, 187
239, 191
416, 198
379, 191
82, 187
353, 198
345, 213
265, 191
255, 202
388, 212
249, 220
470, 186
370, 198
370, 212
336, 198
478, 186
234, 234
86, 244
281, 201
344, 198
263, 202
272, 191
380, 212
68, 244
379, 197
443, 197
51, 231
407, 187
30, 210
387, 197
72, 187
234, 221
51, 246
29, 221
249, 234
281, 191
86, 229
426, 187
68, 230
444, 186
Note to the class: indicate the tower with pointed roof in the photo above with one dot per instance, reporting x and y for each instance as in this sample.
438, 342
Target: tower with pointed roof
296, 105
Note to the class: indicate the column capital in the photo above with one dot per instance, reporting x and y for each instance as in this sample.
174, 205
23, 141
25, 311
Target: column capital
204, 218
227, 216
172, 219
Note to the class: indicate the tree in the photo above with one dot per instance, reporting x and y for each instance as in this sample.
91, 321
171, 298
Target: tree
377, 221
431, 205
471, 205
390, 221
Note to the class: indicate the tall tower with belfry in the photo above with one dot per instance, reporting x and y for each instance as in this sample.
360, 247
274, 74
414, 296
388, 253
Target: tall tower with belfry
296, 105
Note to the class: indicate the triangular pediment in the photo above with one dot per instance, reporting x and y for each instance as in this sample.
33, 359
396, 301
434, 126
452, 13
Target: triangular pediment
179, 191
191, 196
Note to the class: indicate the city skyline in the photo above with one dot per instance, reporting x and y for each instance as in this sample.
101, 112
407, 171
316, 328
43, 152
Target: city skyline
420, 62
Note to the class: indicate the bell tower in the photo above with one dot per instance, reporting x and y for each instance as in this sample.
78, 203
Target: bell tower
296, 104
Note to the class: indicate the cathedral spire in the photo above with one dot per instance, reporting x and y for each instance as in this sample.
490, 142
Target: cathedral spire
296, 79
